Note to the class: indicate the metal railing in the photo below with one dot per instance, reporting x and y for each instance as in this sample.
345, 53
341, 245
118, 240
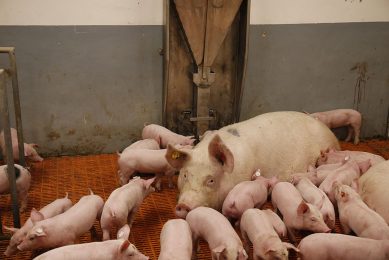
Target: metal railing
5, 119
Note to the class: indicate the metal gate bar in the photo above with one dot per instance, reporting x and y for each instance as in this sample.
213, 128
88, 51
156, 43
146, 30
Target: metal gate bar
8, 156
16, 100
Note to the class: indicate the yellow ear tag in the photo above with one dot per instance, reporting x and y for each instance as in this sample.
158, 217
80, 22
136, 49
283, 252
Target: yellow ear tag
176, 155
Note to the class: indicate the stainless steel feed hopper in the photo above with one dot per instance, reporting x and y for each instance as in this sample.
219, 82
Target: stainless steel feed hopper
206, 44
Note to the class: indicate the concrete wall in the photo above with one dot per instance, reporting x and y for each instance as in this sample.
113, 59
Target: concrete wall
320, 67
90, 71
86, 89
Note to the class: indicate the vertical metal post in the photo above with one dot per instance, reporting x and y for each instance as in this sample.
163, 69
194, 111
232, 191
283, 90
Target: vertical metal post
18, 114
8, 144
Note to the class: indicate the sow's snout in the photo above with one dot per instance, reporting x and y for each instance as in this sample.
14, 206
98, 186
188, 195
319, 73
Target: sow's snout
182, 210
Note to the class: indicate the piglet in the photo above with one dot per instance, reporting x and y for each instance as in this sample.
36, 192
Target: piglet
355, 215
348, 174
246, 195
277, 223
54, 208
145, 161
29, 149
164, 136
143, 144
123, 204
338, 246
342, 117
297, 214
64, 228
333, 156
317, 197
214, 228
257, 228
176, 240
23, 181
318, 175
120, 249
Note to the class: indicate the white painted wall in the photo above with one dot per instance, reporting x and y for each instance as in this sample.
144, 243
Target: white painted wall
150, 12
318, 11
81, 12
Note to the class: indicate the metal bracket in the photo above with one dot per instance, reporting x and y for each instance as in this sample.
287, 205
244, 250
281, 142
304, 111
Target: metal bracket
201, 118
204, 77
187, 114
211, 117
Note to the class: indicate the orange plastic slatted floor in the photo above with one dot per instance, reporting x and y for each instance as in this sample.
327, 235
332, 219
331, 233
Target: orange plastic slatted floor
55, 176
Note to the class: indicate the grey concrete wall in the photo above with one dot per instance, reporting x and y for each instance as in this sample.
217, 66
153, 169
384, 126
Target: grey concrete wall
89, 89
319, 67
86, 89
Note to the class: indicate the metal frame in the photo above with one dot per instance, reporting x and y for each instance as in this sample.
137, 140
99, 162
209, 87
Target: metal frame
12, 72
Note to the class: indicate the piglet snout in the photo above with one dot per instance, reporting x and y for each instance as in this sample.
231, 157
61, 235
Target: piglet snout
182, 210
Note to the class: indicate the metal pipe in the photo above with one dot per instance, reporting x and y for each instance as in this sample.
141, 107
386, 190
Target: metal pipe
18, 113
8, 145
166, 61
6, 49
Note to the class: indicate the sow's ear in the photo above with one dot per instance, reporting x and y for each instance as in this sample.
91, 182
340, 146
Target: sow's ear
176, 157
220, 152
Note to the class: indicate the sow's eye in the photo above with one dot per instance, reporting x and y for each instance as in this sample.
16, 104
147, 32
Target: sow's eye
210, 182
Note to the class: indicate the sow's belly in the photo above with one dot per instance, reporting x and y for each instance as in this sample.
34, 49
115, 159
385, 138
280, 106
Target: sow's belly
277, 143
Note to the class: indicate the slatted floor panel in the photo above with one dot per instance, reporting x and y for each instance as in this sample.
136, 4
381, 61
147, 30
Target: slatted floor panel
53, 177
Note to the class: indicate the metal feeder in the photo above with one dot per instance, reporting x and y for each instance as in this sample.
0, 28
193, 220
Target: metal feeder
205, 57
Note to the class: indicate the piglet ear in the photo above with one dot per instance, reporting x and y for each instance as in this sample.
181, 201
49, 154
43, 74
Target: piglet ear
344, 196
191, 140
270, 250
147, 183
302, 208
11, 229
364, 166
124, 246
124, 232
39, 232
176, 157
220, 153
36, 216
